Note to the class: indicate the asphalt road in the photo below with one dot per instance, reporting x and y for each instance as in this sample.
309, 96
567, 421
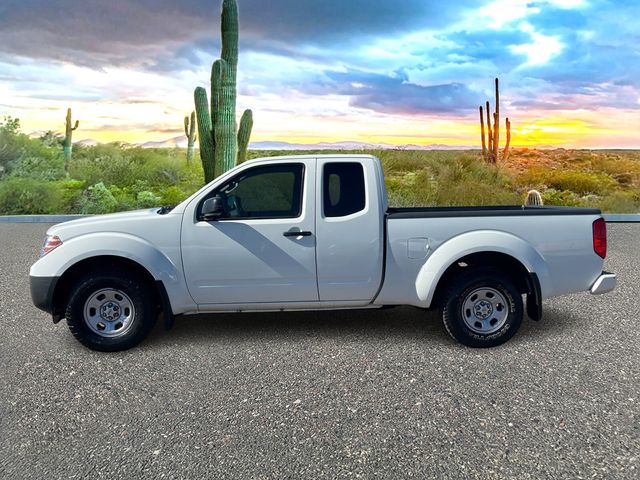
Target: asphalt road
371, 394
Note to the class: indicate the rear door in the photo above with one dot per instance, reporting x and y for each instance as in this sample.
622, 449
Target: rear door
263, 249
349, 230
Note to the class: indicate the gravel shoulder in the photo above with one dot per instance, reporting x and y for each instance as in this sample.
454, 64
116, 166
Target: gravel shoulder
356, 394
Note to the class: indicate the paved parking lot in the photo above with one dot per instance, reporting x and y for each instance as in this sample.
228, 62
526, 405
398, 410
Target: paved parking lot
369, 394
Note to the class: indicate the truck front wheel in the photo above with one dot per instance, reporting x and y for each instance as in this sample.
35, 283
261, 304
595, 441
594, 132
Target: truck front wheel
482, 308
110, 311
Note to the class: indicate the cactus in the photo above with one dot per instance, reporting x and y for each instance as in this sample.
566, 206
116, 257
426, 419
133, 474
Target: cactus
68, 144
190, 132
491, 145
505, 152
244, 132
221, 146
533, 198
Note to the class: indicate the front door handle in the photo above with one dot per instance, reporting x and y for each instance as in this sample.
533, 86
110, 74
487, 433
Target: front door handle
292, 233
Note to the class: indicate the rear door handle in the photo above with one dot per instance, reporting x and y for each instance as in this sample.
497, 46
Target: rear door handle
291, 233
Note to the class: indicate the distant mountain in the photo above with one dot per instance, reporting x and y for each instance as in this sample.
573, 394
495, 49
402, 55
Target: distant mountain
87, 142
352, 145
175, 142
181, 142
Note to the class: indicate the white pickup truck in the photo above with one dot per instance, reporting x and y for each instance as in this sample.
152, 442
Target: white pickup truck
308, 233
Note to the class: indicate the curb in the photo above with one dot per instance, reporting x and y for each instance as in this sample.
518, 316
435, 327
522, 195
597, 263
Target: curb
39, 218
622, 217
609, 217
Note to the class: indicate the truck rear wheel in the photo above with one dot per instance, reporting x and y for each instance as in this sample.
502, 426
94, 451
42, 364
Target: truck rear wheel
110, 311
482, 308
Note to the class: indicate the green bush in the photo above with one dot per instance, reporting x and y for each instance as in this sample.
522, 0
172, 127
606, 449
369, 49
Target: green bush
172, 195
147, 199
620, 202
23, 196
551, 196
579, 182
98, 199
48, 166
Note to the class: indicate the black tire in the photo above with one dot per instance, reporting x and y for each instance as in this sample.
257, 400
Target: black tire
477, 299
132, 297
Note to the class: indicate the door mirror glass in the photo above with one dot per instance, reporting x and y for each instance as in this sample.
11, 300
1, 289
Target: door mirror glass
212, 208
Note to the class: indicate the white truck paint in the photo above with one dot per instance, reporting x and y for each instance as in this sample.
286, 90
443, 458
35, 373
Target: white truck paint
330, 241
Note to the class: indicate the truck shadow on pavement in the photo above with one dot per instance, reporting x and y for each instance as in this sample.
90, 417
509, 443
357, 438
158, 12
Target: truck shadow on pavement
400, 323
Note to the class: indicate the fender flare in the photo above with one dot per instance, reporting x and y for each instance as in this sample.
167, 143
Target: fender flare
124, 245
476, 242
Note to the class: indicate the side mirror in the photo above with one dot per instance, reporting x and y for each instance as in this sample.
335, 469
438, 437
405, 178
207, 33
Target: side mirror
212, 209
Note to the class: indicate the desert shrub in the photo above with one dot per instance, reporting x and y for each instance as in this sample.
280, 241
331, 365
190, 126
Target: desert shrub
21, 196
172, 195
579, 182
624, 169
446, 178
125, 197
551, 196
620, 202
102, 163
412, 189
70, 194
27, 157
98, 199
49, 165
147, 199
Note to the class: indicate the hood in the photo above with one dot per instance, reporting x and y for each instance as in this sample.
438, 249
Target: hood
99, 223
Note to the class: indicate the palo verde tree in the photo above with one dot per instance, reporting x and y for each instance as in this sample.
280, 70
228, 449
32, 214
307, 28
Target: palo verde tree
217, 131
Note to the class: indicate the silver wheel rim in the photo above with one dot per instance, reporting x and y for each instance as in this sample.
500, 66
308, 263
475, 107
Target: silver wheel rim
109, 312
485, 310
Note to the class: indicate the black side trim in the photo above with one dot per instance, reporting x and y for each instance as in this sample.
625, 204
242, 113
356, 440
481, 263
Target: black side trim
492, 211
384, 257
42, 289
534, 298
167, 311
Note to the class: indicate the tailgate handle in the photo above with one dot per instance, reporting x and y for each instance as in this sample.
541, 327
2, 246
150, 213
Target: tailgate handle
292, 233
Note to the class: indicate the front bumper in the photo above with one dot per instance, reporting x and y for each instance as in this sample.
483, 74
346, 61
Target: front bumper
604, 284
42, 289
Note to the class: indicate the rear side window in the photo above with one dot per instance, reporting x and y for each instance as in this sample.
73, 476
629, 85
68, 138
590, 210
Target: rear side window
343, 190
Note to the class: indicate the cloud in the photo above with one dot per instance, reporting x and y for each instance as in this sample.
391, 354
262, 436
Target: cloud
130, 32
95, 32
396, 95
332, 57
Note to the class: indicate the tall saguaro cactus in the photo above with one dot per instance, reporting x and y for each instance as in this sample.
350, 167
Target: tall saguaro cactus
68, 133
222, 145
491, 144
190, 132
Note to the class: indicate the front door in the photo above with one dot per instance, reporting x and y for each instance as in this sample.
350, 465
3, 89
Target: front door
262, 249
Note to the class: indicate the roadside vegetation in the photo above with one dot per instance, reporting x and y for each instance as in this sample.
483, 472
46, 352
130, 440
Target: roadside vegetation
114, 177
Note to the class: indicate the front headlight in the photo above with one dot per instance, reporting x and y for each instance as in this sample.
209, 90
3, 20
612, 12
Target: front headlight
50, 243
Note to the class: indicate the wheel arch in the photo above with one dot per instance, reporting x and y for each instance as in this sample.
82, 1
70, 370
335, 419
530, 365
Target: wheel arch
511, 255
507, 265
70, 277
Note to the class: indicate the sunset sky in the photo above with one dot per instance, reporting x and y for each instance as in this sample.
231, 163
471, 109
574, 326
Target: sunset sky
399, 72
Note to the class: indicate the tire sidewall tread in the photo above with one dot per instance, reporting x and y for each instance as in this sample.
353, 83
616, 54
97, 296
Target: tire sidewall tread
138, 292
451, 307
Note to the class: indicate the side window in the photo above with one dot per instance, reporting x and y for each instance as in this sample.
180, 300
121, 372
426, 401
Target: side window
343, 189
264, 192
